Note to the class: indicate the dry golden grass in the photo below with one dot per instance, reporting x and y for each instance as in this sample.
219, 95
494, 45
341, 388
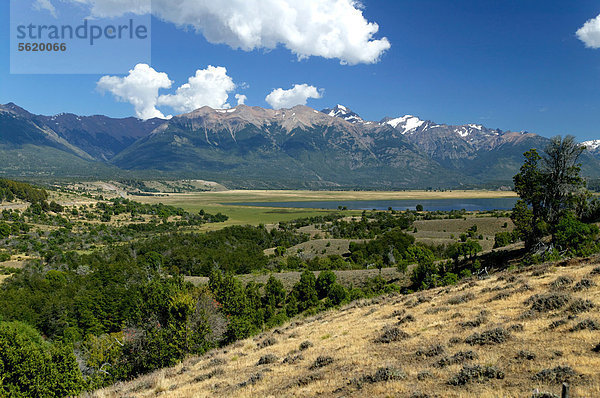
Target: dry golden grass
347, 335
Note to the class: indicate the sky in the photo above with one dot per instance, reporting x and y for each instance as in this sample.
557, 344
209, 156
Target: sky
520, 65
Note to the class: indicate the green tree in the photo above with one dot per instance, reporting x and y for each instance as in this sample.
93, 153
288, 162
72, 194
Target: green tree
324, 283
31, 367
576, 237
549, 186
306, 291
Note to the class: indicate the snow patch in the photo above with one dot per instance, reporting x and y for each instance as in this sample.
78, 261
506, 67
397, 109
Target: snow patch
593, 144
407, 122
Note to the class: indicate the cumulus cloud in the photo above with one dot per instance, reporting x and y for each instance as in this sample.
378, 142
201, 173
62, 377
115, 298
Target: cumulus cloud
241, 99
335, 29
209, 87
45, 5
589, 33
139, 88
298, 95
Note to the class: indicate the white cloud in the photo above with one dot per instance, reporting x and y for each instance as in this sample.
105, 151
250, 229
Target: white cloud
241, 99
335, 29
45, 5
298, 95
139, 88
209, 87
589, 33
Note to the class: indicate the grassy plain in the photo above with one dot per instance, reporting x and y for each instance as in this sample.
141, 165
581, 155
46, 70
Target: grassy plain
214, 202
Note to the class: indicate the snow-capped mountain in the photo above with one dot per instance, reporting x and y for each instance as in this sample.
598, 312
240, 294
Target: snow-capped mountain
254, 147
593, 146
342, 112
406, 123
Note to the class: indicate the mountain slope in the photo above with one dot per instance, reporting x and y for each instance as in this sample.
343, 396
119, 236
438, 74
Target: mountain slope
253, 147
502, 336
100, 136
298, 144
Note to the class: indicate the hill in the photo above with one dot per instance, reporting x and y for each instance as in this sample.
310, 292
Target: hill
512, 335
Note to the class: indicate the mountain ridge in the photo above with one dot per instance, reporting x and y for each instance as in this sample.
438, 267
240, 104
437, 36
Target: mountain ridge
250, 146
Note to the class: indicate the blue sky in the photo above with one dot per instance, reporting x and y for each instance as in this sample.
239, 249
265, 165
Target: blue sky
512, 64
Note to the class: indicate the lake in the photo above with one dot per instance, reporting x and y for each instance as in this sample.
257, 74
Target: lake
428, 204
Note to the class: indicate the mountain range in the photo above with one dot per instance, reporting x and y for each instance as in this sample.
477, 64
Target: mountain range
253, 147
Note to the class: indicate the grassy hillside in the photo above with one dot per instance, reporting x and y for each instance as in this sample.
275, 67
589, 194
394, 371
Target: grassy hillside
510, 335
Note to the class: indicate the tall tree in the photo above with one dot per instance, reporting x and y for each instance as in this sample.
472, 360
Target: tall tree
549, 186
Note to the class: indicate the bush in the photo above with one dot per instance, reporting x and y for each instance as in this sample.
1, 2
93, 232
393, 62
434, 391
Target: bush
267, 359
576, 237
337, 294
391, 334
305, 291
493, 336
321, 361
31, 367
324, 283
475, 373
305, 345
459, 357
548, 302
557, 375
504, 239
587, 324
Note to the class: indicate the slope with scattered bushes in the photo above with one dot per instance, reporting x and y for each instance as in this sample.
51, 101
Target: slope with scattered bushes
515, 334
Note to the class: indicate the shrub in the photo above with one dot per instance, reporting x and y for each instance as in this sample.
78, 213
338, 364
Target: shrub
584, 284
267, 359
580, 305
32, 367
385, 374
324, 283
557, 375
457, 358
493, 336
578, 238
269, 341
337, 294
475, 373
587, 324
432, 351
504, 239
321, 361
525, 355
391, 334
561, 282
548, 302
305, 345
